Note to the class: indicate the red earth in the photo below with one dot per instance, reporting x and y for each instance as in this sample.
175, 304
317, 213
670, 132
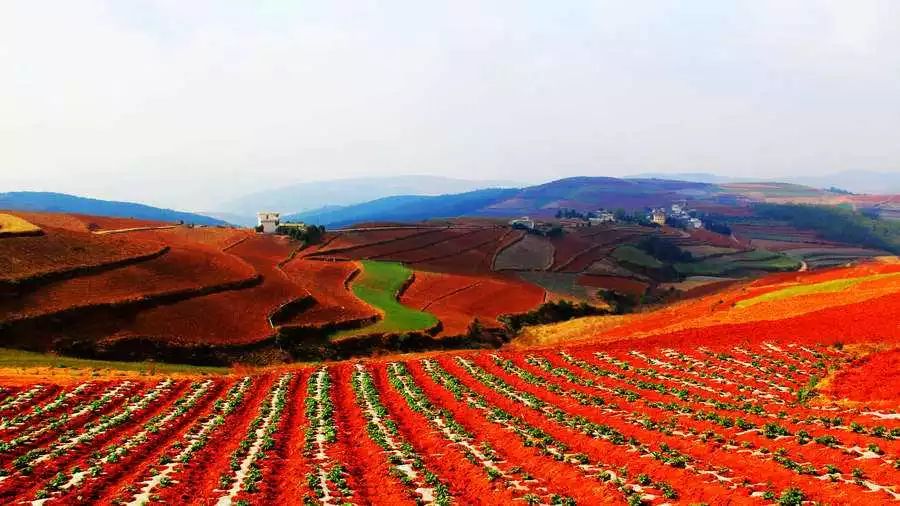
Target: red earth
458, 299
326, 281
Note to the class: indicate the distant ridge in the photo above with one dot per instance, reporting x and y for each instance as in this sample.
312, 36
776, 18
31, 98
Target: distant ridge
64, 203
405, 208
309, 196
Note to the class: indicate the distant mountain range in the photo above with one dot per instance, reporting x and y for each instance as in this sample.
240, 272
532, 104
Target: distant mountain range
857, 181
301, 197
63, 203
580, 193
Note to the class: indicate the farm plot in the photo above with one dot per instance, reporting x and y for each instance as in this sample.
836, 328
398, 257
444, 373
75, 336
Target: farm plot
420, 247
327, 282
627, 422
61, 251
386, 243
230, 317
476, 258
457, 300
532, 253
13, 226
365, 236
756, 260
379, 285
179, 271
618, 284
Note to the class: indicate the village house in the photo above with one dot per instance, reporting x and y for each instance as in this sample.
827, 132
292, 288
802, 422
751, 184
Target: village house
267, 222
602, 216
523, 222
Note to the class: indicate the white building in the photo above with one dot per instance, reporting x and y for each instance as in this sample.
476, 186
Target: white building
602, 217
268, 221
658, 216
524, 222
696, 223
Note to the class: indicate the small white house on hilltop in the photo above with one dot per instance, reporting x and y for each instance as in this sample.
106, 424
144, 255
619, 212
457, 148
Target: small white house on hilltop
523, 222
268, 221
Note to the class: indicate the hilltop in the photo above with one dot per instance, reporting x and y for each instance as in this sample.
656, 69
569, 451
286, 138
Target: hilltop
63, 203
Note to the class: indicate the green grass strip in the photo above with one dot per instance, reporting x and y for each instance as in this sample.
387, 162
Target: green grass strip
635, 256
832, 286
378, 286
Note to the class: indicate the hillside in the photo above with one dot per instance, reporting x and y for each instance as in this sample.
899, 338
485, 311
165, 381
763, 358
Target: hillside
405, 208
714, 402
63, 203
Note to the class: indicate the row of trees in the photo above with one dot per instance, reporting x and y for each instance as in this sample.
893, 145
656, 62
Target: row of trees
837, 223
310, 234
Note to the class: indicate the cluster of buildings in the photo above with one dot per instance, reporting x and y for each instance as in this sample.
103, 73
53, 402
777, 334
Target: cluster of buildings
590, 219
678, 213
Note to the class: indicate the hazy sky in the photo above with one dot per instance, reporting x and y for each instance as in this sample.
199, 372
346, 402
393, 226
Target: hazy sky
186, 102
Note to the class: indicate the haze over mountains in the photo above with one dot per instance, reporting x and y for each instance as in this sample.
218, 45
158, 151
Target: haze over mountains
856, 181
300, 197
418, 197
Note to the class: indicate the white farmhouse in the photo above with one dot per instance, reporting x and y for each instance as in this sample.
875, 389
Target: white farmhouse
523, 222
602, 217
268, 221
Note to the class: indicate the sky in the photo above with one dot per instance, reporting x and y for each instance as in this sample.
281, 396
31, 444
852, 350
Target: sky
186, 104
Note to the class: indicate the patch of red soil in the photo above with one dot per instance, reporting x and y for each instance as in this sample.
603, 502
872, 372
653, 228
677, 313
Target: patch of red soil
231, 317
61, 250
357, 239
458, 299
114, 223
326, 282
178, 270
619, 284
714, 239
870, 378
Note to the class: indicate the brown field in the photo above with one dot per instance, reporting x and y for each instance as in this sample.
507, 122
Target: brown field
60, 250
230, 317
178, 270
326, 282
531, 253
619, 284
457, 299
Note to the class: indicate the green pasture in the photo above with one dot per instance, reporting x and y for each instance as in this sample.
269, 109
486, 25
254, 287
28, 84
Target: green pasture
378, 285
832, 286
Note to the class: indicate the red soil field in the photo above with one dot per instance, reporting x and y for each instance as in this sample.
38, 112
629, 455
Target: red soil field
568, 246
396, 248
52, 220
470, 240
714, 239
112, 223
219, 238
231, 317
61, 250
180, 269
347, 239
457, 299
871, 378
619, 284
325, 281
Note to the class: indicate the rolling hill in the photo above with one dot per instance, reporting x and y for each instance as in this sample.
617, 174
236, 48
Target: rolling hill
304, 197
63, 203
